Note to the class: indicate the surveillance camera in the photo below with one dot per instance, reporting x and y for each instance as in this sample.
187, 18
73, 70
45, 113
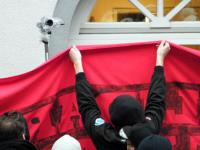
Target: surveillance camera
52, 21
47, 24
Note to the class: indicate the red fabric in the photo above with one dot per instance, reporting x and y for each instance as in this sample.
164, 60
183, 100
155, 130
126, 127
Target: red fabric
46, 95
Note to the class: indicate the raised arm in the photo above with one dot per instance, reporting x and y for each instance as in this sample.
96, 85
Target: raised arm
76, 59
84, 93
155, 108
162, 51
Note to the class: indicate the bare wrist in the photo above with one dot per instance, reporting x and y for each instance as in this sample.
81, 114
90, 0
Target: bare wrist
160, 56
78, 62
78, 67
159, 60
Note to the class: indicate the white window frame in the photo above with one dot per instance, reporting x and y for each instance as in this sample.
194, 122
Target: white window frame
160, 27
160, 20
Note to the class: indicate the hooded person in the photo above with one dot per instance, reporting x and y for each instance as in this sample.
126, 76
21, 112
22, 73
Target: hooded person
155, 142
66, 142
141, 137
125, 110
14, 132
132, 111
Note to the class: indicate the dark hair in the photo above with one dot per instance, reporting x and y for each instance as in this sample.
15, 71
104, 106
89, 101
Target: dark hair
12, 126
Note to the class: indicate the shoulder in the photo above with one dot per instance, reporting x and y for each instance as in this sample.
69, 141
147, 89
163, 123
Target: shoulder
107, 133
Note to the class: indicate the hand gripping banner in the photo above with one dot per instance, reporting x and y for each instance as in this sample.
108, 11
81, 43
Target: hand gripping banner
46, 95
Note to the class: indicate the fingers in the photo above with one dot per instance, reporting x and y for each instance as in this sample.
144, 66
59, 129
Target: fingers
76, 57
162, 43
74, 47
73, 51
167, 45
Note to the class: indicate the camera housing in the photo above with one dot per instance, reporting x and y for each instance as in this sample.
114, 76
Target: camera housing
47, 24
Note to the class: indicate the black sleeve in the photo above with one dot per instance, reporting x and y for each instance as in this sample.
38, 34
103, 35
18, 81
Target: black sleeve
86, 102
102, 134
155, 107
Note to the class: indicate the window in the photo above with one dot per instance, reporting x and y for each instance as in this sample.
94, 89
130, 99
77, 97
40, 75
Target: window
191, 12
119, 11
125, 21
135, 11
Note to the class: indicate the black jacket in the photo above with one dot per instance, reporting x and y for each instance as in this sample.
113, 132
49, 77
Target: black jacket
16, 145
104, 135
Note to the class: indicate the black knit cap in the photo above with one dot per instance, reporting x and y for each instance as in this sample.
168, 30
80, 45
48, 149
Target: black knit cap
125, 110
155, 142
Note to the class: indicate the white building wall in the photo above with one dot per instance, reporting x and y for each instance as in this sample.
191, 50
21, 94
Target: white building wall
20, 46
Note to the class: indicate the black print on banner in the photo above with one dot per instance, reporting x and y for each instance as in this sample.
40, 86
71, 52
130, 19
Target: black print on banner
173, 100
181, 132
77, 131
35, 120
34, 139
138, 97
55, 115
198, 147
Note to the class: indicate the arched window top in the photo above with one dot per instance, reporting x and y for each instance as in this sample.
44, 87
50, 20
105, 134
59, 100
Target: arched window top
163, 11
125, 21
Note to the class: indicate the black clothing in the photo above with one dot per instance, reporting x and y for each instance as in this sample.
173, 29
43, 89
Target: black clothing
104, 136
139, 131
155, 107
155, 142
155, 110
132, 111
16, 145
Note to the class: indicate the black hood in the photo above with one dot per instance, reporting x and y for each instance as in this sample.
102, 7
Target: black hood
16, 145
126, 110
155, 142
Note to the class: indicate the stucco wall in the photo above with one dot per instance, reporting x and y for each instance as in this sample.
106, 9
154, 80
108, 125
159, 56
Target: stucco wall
20, 46
65, 10
73, 13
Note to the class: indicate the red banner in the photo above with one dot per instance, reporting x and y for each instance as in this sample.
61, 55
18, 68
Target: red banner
46, 95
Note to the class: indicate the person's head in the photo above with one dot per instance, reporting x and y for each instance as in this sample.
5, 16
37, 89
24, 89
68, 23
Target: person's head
13, 126
152, 142
66, 142
126, 110
155, 142
135, 134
